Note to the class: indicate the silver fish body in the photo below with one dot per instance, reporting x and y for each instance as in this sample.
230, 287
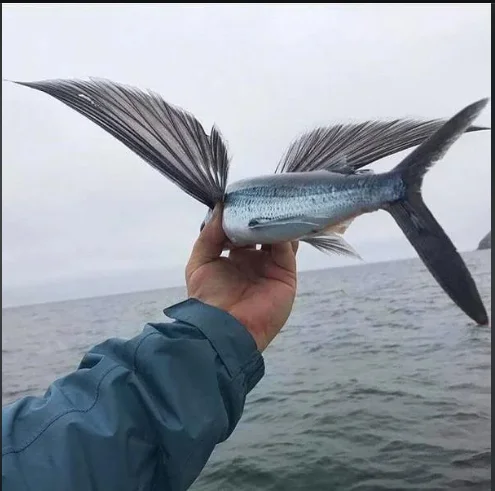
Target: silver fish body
318, 187
283, 207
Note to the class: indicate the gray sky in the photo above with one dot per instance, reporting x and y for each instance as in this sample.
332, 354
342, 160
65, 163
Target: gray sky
83, 215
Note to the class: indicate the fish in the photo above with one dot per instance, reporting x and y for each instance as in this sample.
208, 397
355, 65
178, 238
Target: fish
319, 187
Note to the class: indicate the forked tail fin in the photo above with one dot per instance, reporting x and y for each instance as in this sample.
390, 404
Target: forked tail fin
425, 234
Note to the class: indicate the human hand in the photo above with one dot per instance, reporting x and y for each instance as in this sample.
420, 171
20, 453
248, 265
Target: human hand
257, 287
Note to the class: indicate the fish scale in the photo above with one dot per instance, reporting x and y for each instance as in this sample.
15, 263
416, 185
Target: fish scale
322, 199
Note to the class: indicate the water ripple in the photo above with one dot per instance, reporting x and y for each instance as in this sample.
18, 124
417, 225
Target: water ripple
378, 382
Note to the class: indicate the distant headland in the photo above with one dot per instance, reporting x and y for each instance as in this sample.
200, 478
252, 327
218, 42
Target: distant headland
486, 242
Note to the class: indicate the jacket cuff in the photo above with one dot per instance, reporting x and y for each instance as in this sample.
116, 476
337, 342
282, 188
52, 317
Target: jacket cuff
230, 339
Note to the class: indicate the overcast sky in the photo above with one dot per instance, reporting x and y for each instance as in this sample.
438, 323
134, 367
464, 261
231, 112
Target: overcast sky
83, 215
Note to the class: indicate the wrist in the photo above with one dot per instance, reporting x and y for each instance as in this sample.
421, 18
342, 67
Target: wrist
232, 342
257, 334
230, 310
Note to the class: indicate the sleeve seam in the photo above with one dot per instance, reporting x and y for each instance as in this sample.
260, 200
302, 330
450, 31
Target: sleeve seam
9, 450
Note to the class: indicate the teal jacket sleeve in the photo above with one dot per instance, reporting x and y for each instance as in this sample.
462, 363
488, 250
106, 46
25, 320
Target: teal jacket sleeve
138, 414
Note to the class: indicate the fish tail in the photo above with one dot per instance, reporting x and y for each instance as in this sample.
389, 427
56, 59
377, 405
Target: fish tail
421, 228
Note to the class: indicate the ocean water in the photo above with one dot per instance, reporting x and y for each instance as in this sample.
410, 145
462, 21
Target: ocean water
377, 382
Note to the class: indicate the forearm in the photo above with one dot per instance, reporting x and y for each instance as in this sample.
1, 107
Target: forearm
136, 414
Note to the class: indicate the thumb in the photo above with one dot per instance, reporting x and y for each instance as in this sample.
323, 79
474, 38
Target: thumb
209, 244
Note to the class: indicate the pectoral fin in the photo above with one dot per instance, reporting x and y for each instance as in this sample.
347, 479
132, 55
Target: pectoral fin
168, 138
257, 223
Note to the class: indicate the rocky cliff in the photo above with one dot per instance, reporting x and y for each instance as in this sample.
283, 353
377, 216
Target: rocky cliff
486, 241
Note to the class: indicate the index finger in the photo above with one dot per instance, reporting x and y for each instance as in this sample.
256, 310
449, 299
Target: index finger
209, 244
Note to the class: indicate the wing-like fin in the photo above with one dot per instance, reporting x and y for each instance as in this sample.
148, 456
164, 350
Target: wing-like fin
331, 243
357, 144
340, 165
166, 137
